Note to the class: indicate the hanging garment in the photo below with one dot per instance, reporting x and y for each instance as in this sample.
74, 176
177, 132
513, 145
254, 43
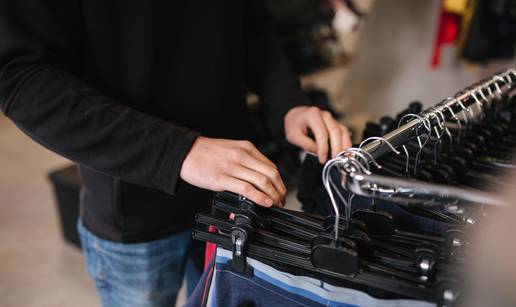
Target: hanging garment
315, 200
372, 255
368, 255
269, 286
448, 30
491, 34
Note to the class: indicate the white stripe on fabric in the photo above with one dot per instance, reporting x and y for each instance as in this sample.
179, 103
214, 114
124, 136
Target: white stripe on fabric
312, 288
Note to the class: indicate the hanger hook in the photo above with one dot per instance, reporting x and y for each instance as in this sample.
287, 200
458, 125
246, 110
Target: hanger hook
350, 154
499, 77
480, 88
423, 120
439, 135
444, 124
513, 71
481, 105
490, 92
466, 120
498, 86
508, 76
355, 153
328, 185
453, 115
454, 100
377, 138
433, 114
407, 161
468, 109
367, 154
428, 125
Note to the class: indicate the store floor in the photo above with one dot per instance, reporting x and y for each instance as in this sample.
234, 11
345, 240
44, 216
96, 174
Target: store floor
37, 268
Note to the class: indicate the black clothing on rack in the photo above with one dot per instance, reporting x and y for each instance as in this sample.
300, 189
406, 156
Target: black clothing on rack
314, 199
492, 32
403, 236
396, 264
112, 85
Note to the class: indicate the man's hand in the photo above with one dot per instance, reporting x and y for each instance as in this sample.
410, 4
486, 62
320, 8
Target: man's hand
323, 126
235, 166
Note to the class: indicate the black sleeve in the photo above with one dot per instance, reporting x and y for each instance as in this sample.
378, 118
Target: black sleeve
268, 71
42, 95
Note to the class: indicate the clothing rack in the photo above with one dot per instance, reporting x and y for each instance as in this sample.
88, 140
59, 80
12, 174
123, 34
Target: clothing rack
400, 190
501, 83
483, 93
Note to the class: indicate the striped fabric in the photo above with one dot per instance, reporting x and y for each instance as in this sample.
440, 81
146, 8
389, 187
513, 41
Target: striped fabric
271, 287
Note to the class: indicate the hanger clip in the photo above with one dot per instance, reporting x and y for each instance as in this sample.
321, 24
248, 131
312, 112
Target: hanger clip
240, 235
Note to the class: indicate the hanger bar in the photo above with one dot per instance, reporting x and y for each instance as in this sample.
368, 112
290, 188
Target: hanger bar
395, 189
384, 187
410, 130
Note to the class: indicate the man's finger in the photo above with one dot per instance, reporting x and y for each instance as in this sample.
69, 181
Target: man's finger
335, 133
300, 139
346, 138
318, 128
271, 172
245, 189
259, 181
258, 155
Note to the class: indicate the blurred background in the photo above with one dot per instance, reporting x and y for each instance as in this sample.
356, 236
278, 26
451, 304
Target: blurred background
361, 59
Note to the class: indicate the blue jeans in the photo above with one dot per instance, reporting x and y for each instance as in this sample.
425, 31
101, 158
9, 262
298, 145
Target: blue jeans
141, 274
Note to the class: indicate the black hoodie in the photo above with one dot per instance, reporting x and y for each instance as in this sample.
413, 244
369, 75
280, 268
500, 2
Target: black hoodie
123, 88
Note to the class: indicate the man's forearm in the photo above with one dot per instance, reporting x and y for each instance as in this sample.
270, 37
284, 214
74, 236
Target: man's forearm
59, 111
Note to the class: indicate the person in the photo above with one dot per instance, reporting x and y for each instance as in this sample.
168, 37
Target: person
149, 99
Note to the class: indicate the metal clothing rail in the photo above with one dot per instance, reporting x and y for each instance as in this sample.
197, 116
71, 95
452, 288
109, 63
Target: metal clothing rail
478, 96
498, 84
399, 190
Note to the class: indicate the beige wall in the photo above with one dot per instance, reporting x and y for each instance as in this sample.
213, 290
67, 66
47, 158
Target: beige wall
391, 67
